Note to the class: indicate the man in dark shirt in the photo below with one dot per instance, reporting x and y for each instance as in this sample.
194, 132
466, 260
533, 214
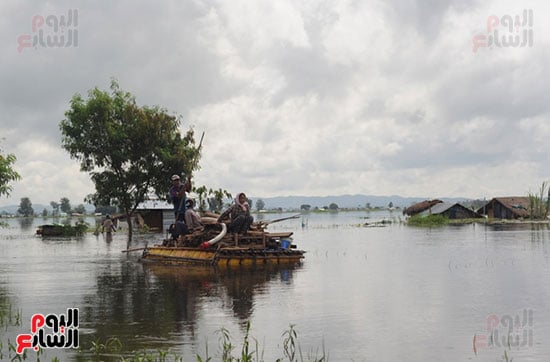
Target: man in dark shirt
177, 194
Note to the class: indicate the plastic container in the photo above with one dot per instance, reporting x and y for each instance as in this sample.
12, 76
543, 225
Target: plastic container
285, 244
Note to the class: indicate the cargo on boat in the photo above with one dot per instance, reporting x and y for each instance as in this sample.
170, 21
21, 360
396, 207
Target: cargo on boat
61, 229
214, 246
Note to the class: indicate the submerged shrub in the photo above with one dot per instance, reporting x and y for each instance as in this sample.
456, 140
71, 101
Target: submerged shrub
428, 220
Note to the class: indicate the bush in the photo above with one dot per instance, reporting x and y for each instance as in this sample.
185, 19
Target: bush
428, 220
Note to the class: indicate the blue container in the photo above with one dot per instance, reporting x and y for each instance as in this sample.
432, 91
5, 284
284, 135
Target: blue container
285, 243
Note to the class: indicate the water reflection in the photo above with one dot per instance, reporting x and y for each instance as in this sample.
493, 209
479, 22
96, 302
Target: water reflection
151, 303
25, 223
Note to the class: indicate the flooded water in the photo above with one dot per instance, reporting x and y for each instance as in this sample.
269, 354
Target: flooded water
384, 293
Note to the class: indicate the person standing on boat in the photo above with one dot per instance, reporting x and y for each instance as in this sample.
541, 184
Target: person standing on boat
177, 194
239, 214
192, 218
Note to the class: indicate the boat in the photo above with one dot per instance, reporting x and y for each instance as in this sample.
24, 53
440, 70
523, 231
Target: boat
61, 229
213, 245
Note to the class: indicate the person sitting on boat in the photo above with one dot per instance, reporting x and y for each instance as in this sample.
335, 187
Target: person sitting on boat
192, 218
177, 195
239, 213
177, 231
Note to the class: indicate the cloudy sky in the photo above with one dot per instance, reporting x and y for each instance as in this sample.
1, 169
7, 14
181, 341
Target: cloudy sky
296, 97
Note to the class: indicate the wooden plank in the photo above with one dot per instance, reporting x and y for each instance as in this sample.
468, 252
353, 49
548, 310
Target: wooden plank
280, 235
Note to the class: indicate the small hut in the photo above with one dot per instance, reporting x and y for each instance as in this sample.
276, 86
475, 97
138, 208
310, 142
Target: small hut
157, 214
516, 207
452, 211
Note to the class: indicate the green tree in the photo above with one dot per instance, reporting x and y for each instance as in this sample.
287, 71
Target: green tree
333, 206
65, 205
216, 201
260, 204
129, 151
25, 207
105, 210
7, 174
539, 204
44, 213
305, 207
55, 207
80, 209
202, 192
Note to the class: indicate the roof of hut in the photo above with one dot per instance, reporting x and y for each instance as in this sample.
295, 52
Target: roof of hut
442, 207
420, 206
519, 205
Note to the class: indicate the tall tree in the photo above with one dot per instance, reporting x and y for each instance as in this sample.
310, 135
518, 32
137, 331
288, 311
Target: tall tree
25, 207
202, 192
80, 209
55, 207
216, 201
7, 174
260, 204
65, 205
129, 151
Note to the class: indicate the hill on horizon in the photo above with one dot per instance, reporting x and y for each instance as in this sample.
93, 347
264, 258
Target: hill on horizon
294, 202
345, 201
12, 209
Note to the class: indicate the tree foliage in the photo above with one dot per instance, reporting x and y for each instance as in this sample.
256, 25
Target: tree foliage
55, 207
65, 205
216, 201
129, 151
7, 174
539, 204
80, 209
25, 207
260, 204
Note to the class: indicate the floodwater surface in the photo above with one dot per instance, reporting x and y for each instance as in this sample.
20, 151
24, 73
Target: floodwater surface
389, 292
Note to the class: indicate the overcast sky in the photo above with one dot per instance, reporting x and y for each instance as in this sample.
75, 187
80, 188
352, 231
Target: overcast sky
295, 97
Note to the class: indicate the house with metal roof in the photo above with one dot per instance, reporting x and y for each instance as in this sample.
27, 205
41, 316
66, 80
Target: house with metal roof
451, 211
157, 214
516, 207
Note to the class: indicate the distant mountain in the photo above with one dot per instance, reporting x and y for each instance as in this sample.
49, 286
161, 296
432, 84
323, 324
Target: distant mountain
12, 209
344, 201
294, 202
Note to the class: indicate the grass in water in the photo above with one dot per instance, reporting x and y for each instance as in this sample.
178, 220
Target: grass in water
249, 350
428, 220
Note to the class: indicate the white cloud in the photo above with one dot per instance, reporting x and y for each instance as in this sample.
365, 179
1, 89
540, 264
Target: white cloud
296, 97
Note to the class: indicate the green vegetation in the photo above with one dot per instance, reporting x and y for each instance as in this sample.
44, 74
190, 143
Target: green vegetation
25, 207
249, 350
7, 174
538, 205
129, 151
112, 347
428, 220
64, 229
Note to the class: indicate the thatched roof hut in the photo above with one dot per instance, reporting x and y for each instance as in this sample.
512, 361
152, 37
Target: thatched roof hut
515, 207
420, 206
